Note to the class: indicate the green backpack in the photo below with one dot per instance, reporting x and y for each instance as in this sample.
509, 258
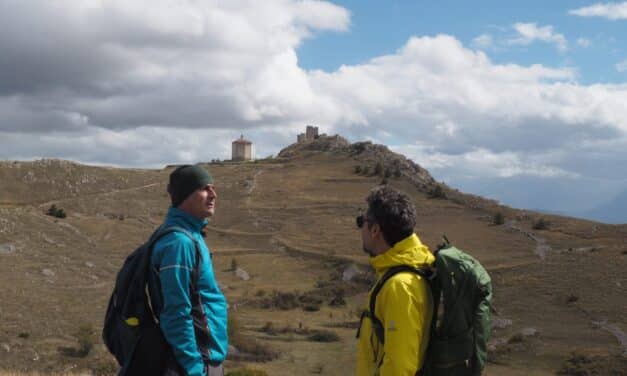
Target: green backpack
460, 328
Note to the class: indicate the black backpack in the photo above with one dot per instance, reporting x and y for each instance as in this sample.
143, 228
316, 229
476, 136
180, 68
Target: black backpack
462, 300
131, 330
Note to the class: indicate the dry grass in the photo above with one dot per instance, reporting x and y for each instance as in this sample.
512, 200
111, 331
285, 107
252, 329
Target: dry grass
293, 232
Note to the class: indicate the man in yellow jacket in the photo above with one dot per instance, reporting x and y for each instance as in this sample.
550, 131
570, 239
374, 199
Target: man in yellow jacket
404, 305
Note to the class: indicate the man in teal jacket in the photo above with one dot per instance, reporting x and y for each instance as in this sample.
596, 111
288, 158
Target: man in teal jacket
193, 320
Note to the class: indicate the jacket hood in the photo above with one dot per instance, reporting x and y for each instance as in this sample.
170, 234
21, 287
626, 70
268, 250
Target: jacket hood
409, 251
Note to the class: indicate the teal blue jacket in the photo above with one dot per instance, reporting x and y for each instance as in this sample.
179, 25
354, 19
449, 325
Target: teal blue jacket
173, 259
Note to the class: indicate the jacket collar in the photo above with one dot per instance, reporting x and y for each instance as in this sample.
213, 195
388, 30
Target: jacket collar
183, 218
409, 251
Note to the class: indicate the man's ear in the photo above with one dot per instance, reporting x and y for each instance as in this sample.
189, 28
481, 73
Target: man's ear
375, 230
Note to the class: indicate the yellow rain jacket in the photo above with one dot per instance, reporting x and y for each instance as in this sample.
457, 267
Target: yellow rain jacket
404, 306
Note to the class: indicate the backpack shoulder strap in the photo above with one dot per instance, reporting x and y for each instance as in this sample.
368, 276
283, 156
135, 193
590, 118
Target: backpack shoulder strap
163, 231
377, 325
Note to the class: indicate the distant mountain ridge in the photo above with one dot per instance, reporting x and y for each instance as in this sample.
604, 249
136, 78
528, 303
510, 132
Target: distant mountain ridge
614, 211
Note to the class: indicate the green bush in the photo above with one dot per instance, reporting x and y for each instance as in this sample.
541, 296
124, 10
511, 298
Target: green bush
397, 172
324, 336
56, 212
541, 224
577, 364
338, 298
311, 307
358, 169
280, 300
498, 219
437, 192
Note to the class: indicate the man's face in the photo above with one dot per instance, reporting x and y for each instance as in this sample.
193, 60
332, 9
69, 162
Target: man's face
367, 241
202, 203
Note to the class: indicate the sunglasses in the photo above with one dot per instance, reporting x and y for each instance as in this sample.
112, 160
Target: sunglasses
359, 220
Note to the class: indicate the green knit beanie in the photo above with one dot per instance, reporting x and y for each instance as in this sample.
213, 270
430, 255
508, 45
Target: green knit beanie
185, 180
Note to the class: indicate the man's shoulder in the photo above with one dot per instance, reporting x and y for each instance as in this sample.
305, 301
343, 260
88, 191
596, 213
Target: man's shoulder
406, 279
175, 240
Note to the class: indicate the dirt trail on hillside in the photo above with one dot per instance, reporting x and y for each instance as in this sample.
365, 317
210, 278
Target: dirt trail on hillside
96, 194
542, 248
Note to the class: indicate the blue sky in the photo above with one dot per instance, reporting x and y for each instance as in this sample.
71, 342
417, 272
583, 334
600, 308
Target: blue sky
521, 101
380, 28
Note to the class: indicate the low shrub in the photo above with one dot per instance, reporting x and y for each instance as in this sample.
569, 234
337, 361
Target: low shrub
323, 336
310, 307
85, 337
248, 347
516, 338
56, 212
576, 365
437, 192
541, 224
280, 300
498, 219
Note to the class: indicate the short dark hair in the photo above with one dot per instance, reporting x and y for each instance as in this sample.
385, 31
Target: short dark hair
394, 211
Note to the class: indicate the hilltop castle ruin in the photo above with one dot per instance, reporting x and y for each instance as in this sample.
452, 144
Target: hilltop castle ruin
311, 133
241, 149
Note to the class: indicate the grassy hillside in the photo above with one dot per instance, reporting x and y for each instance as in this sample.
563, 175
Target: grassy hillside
289, 223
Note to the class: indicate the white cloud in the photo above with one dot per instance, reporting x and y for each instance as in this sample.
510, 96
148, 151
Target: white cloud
483, 41
530, 32
584, 42
622, 66
612, 11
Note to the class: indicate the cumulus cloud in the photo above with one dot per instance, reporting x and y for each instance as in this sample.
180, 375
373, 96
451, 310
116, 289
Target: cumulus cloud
126, 64
455, 103
612, 11
530, 32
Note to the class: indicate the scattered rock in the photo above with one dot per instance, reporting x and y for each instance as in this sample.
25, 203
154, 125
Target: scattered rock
242, 274
89, 264
586, 249
349, 273
499, 323
529, 332
496, 342
48, 240
6, 347
233, 351
48, 272
7, 248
